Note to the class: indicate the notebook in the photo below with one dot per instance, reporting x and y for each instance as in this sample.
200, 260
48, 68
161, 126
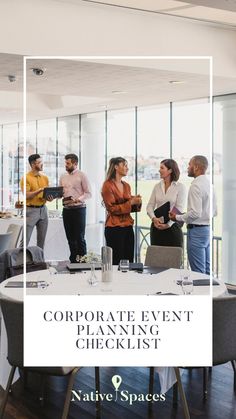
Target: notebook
29, 284
203, 282
136, 266
83, 266
163, 211
177, 211
153, 270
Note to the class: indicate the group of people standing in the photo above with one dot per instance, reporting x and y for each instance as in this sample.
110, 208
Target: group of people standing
120, 203
76, 190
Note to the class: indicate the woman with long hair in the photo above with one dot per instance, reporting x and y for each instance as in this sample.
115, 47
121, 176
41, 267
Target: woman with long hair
119, 203
168, 189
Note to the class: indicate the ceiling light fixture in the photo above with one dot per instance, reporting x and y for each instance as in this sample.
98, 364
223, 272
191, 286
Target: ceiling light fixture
118, 92
176, 81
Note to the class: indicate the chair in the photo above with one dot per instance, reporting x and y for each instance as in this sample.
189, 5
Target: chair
179, 387
224, 338
163, 257
13, 318
16, 231
5, 241
14, 257
224, 331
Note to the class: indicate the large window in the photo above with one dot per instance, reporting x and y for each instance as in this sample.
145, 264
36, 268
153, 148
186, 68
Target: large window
142, 135
68, 139
224, 148
121, 139
153, 145
191, 133
10, 165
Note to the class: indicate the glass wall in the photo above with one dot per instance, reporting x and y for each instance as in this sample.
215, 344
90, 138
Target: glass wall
191, 126
10, 164
143, 135
225, 180
121, 139
68, 132
153, 145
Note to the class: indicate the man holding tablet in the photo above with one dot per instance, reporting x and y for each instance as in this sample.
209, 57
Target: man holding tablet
36, 210
76, 190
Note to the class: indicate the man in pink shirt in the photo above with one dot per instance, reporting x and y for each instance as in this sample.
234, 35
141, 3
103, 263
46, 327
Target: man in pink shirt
76, 190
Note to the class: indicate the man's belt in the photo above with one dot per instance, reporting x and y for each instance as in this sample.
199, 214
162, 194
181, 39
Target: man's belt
35, 206
197, 225
74, 206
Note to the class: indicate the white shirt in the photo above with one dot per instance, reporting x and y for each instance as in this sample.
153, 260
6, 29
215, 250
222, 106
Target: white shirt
198, 210
175, 194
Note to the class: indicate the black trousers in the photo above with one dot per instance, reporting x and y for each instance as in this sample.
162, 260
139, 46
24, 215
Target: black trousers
172, 236
121, 240
74, 220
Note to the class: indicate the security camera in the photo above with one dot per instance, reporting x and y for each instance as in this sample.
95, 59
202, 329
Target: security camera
38, 71
11, 78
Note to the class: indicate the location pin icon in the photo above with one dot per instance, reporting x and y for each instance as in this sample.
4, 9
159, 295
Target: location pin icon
116, 381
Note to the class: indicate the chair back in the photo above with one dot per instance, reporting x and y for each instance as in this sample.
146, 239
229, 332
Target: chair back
13, 318
5, 241
13, 315
16, 231
224, 329
163, 257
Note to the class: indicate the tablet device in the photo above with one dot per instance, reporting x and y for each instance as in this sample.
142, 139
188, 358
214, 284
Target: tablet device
55, 192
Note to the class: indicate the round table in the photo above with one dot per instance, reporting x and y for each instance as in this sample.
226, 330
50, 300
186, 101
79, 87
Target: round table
128, 283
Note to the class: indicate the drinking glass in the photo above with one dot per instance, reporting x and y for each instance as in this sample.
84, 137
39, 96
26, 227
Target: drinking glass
93, 280
53, 267
187, 284
124, 265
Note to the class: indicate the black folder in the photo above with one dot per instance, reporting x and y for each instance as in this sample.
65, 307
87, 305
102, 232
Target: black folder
163, 211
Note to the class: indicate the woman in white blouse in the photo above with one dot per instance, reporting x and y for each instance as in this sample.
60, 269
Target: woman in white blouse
168, 189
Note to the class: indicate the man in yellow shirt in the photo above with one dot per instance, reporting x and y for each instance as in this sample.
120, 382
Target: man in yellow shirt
36, 210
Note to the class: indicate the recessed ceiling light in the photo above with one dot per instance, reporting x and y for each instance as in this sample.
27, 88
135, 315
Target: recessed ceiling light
176, 81
118, 92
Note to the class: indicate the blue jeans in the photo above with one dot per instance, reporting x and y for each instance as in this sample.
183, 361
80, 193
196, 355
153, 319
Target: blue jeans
198, 247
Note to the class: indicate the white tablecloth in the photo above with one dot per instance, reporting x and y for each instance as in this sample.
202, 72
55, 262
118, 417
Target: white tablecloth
131, 283
122, 283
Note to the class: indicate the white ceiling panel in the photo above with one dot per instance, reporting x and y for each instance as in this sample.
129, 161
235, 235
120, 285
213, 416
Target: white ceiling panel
76, 86
215, 11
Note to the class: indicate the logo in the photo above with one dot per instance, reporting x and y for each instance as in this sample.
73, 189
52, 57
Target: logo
119, 393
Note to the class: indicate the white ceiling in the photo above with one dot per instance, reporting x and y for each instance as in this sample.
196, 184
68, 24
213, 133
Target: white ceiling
215, 11
81, 86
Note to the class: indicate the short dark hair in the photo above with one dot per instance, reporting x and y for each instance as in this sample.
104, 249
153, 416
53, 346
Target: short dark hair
201, 161
73, 157
32, 158
171, 164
